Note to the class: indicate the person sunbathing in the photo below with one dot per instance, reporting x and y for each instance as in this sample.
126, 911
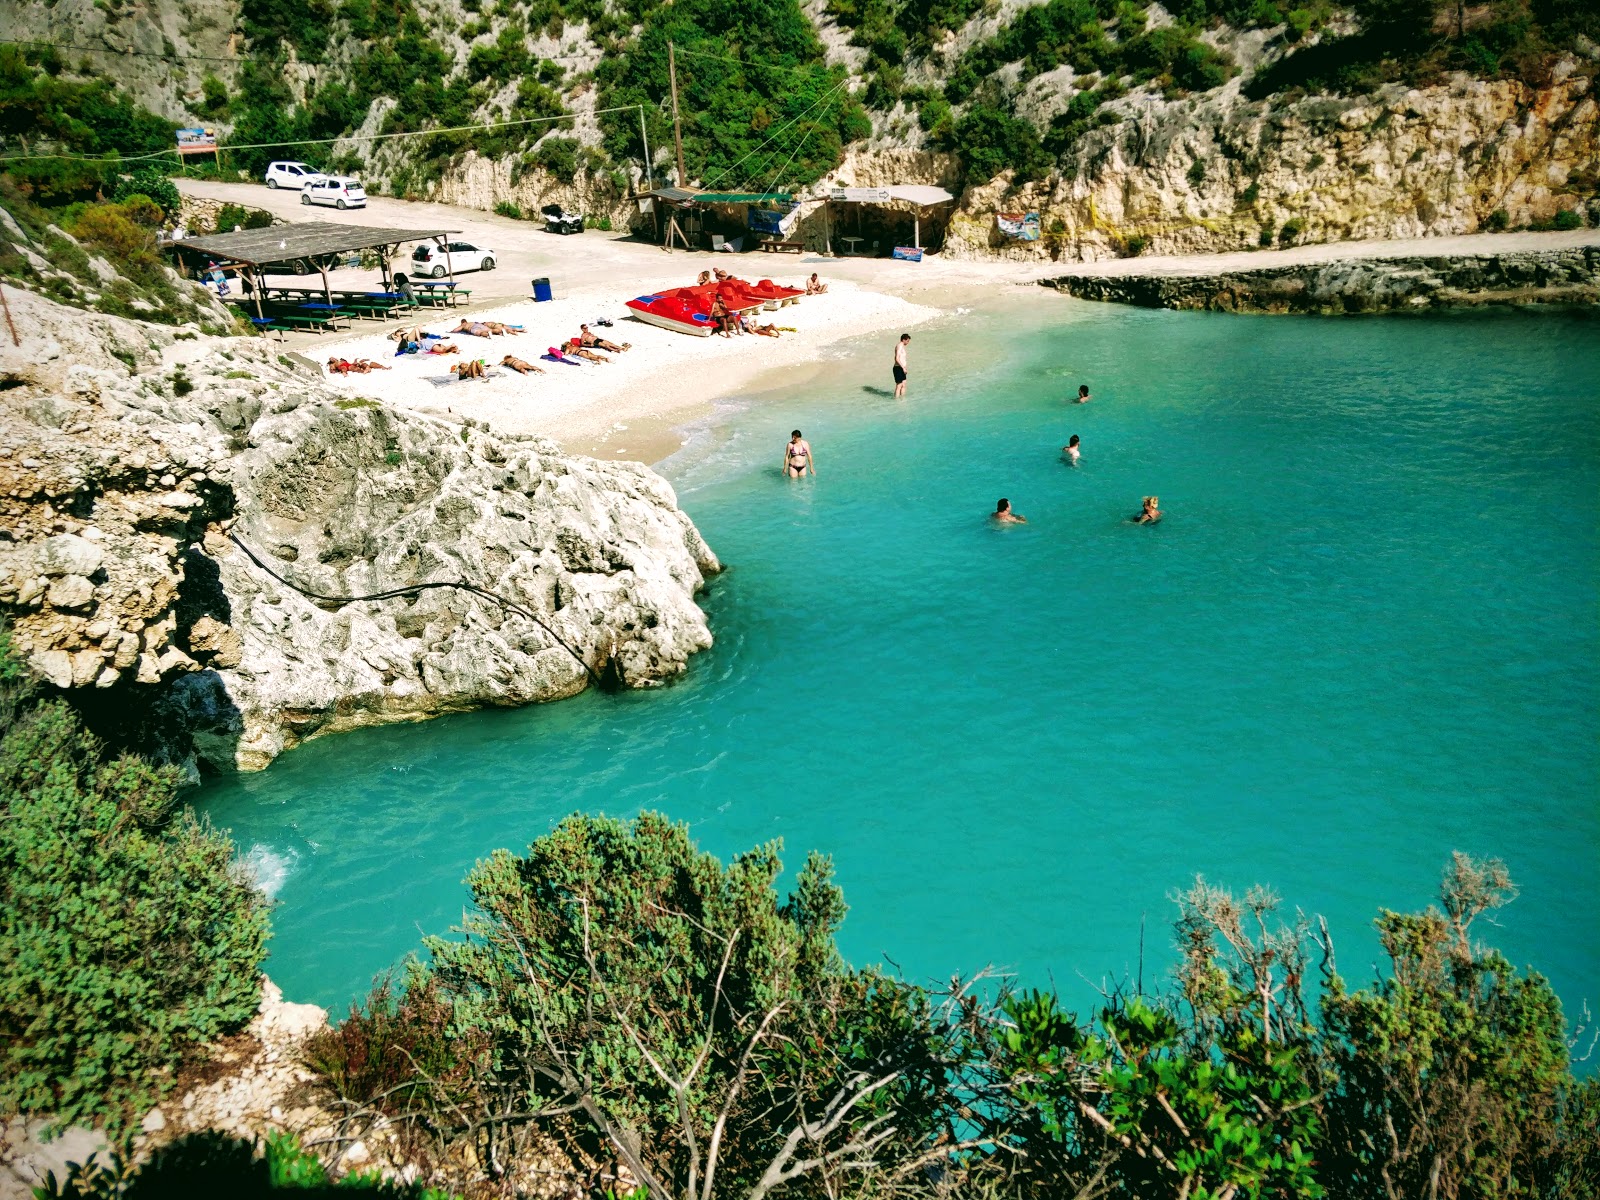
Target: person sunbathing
705, 278
446, 348
553, 354
503, 329
815, 286
415, 334
343, 366
576, 347
519, 366
471, 368
763, 330
721, 275
475, 328
587, 338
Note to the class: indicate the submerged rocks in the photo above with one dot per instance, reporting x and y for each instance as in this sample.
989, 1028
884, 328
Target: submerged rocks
170, 553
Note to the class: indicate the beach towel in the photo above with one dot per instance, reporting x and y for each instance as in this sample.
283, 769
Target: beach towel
554, 355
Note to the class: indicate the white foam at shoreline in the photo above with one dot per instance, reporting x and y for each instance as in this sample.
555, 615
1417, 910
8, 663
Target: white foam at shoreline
269, 869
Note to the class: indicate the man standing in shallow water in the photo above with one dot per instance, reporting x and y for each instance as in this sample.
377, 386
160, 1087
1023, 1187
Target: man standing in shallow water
900, 352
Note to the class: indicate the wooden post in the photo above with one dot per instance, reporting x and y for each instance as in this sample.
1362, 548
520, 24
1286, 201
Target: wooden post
677, 126
255, 280
327, 293
644, 137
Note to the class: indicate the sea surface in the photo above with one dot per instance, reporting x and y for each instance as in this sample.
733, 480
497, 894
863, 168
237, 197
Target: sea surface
1366, 634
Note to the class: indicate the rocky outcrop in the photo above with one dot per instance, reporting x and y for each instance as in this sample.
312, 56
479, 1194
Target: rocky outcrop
129, 494
1221, 172
1361, 285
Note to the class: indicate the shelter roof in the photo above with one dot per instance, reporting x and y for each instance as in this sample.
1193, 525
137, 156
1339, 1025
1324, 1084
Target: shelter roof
307, 239
744, 197
919, 193
677, 195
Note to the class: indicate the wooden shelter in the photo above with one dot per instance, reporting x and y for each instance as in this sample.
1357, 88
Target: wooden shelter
312, 241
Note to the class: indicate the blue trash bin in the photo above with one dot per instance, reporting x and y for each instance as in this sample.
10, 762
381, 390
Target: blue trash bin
541, 289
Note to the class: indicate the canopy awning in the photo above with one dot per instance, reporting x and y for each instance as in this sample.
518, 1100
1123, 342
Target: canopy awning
676, 195
309, 239
744, 197
924, 194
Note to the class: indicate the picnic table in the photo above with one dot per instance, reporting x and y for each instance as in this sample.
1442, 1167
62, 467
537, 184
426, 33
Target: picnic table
850, 243
779, 246
443, 293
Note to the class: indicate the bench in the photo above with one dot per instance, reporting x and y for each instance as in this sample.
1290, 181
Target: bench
777, 246
380, 311
265, 325
309, 322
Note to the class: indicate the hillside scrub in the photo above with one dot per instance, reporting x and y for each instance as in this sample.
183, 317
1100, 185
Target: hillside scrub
744, 127
128, 934
630, 997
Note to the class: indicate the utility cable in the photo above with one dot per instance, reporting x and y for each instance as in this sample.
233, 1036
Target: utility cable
350, 137
801, 143
771, 136
417, 588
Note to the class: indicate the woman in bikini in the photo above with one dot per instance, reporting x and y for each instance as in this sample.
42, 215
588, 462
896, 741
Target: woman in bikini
472, 368
575, 346
1151, 512
519, 366
797, 457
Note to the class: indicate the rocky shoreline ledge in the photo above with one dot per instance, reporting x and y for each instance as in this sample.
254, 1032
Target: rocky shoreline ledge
1568, 276
137, 459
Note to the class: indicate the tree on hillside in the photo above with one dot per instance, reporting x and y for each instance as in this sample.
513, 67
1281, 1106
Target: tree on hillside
759, 106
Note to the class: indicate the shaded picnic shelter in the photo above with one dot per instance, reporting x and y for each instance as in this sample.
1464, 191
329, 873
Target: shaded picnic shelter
249, 250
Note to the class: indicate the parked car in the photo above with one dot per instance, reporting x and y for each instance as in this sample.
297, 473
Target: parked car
559, 220
455, 258
340, 191
293, 175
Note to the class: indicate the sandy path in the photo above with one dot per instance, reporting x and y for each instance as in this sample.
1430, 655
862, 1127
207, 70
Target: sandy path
627, 409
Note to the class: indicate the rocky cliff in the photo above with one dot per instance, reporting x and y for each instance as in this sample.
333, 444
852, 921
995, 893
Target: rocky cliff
1222, 172
127, 491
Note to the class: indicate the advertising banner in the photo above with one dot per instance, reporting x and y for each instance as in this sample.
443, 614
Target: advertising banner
197, 141
1019, 227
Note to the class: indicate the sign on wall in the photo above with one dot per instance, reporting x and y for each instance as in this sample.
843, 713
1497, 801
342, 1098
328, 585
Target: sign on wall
1020, 227
860, 195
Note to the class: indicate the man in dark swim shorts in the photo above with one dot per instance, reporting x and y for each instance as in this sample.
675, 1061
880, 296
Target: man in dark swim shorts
900, 353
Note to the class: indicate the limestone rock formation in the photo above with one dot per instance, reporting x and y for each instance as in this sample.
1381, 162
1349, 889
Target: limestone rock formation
127, 494
1222, 172
1360, 285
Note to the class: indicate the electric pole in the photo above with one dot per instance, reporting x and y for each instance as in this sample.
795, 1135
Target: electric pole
677, 126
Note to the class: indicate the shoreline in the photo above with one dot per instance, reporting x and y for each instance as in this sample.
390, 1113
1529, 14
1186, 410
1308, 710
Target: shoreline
632, 406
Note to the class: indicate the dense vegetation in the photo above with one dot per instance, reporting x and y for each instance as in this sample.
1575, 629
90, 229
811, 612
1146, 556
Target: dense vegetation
128, 935
628, 998
744, 126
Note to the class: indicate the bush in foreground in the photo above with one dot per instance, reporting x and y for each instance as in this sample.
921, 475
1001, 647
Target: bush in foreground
639, 1003
128, 935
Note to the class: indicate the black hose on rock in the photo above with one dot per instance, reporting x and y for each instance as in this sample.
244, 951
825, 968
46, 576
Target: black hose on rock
613, 676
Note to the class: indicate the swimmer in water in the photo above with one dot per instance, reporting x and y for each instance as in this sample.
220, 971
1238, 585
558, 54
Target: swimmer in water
1070, 450
1083, 393
1003, 515
1151, 512
797, 457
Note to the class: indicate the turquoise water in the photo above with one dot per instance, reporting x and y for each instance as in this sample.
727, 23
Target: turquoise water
1364, 636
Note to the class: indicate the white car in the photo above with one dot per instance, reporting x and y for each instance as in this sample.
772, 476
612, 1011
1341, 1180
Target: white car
454, 258
292, 175
339, 191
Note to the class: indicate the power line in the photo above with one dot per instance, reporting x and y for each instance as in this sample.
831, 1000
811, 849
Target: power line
764, 66
352, 137
236, 59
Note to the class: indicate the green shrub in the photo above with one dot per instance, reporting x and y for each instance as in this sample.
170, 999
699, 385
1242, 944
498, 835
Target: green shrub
505, 208
1497, 220
602, 222
1197, 173
107, 228
1266, 234
1134, 246
231, 215
152, 183
1292, 228
128, 935
990, 140
1568, 218
558, 156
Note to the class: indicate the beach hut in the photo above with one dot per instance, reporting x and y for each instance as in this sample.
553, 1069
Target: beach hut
881, 211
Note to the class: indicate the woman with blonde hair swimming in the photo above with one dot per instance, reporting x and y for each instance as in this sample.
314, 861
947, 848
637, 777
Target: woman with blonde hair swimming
1151, 512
